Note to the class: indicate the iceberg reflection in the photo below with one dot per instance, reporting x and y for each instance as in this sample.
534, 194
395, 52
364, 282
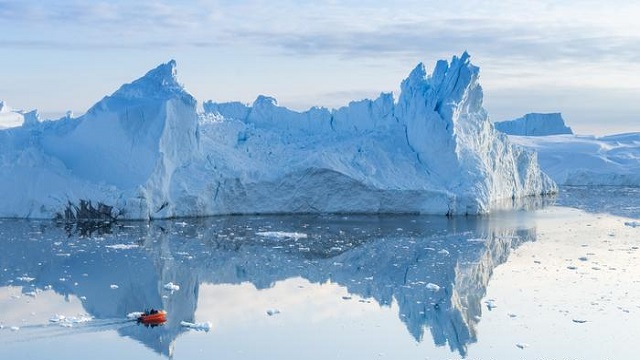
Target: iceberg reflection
435, 268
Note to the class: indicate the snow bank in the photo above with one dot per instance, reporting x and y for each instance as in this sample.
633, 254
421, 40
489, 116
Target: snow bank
587, 160
144, 152
535, 124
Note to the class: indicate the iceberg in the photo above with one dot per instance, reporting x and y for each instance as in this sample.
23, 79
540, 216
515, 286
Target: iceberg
585, 160
534, 124
145, 152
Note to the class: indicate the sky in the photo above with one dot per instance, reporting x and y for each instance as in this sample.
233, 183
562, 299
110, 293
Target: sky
579, 58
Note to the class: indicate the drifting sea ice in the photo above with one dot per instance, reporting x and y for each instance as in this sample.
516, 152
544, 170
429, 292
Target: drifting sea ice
282, 235
203, 326
171, 286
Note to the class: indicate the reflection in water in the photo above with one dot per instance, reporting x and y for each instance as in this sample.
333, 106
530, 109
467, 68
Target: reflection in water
435, 268
616, 200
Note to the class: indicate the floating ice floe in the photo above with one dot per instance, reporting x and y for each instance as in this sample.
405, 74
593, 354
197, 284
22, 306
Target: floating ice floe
282, 234
114, 286
491, 304
433, 287
203, 326
633, 224
25, 278
171, 286
122, 246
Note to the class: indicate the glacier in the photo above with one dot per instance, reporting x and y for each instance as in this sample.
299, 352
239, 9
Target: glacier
534, 124
146, 152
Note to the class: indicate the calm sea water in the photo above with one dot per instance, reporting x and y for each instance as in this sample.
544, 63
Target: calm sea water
326, 287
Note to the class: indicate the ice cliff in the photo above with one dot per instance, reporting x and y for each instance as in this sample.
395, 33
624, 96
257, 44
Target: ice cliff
534, 124
145, 152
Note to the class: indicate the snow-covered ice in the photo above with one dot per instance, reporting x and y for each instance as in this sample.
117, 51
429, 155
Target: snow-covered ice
145, 152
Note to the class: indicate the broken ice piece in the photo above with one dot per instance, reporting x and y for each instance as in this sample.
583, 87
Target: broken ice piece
171, 286
203, 326
433, 287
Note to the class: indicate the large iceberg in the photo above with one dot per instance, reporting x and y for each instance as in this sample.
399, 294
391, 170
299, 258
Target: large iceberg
145, 152
534, 124
582, 160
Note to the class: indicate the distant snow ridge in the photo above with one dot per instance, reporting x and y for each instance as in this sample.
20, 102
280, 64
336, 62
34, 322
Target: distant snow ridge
534, 124
144, 152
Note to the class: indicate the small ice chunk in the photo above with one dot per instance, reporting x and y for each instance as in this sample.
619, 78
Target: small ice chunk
632, 224
14, 328
171, 286
56, 318
114, 286
433, 287
203, 326
272, 312
282, 235
444, 252
122, 246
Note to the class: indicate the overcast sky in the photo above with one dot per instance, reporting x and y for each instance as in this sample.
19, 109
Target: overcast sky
580, 58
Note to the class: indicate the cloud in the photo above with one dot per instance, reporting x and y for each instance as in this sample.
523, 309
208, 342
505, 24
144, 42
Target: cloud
493, 30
